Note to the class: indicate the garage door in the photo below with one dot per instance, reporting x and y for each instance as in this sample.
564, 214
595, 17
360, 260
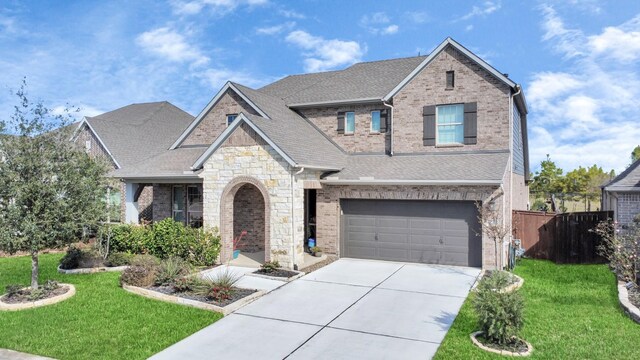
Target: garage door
433, 232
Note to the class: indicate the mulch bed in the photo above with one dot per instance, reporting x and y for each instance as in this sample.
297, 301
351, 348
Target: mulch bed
516, 345
277, 273
23, 296
634, 296
237, 295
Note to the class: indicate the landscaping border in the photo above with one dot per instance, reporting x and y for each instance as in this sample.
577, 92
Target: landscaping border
225, 310
516, 285
278, 278
623, 297
500, 352
92, 270
38, 303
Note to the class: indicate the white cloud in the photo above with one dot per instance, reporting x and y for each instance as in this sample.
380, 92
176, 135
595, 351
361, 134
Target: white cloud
468, 27
322, 54
216, 78
220, 6
276, 29
417, 17
292, 14
378, 23
586, 115
621, 43
391, 29
487, 8
170, 45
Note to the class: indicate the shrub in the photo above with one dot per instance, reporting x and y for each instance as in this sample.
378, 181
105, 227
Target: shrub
499, 313
500, 279
220, 288
13, 289
119, 259
170, 270
90, 258
315, 249
50, 285
188, 283
621, 246
270, 266
142, 272
36, 294
71, 260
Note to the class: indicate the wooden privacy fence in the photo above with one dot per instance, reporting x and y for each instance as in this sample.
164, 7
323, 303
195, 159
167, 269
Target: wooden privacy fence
563, 238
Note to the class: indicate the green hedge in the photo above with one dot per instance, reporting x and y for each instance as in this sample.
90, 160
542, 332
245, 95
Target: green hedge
164, 239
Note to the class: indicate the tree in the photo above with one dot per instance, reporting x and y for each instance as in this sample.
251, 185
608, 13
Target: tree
549, 179
493, 226
635, 154
50, 189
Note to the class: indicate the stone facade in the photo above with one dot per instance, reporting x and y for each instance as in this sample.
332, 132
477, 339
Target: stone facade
328, 208
472, 84
231, 167
215, 121
362, 140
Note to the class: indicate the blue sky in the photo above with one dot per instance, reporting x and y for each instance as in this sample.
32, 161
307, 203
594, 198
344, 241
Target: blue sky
578, 61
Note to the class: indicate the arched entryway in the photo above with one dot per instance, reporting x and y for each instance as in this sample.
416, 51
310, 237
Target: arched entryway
245, 207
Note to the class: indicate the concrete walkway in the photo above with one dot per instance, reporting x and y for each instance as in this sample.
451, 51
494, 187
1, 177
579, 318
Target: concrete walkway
346, 310
6, 354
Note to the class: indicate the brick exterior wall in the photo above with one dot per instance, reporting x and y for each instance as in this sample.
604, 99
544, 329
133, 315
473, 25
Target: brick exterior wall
215, 121
161, 206
472, 84
362, 140
628, 207
145, 204
97, 150
248, 215
328, 207
520, 193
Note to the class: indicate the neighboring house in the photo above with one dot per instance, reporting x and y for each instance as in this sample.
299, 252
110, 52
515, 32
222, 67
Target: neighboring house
127, 136
622, 195
382, 160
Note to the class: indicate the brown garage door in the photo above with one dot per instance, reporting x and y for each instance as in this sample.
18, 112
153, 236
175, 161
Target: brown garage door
433, 232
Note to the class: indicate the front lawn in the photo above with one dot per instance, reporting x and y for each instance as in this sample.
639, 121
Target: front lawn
101, 321
571, 312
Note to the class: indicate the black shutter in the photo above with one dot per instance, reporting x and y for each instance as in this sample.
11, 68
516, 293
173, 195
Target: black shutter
341, 122
429, 125
384, 115
470, 123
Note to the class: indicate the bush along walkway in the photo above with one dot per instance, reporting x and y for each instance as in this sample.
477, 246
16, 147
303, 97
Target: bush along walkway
102, 321
571, 312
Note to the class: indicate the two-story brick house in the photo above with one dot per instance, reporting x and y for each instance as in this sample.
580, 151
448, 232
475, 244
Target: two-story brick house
382, 160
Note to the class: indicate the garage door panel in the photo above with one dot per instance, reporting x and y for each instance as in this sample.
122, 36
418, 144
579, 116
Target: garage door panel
440, 232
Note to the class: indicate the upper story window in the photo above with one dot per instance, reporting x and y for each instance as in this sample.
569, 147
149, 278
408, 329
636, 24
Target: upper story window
451, 79
450, 124
231, 118
375, 121
349, 122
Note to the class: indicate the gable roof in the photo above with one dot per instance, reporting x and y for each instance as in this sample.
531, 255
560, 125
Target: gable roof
628, 180
299, 144
137, 132
228, 86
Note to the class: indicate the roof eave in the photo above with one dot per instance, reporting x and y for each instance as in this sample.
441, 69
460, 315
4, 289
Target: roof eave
95, 133
335, 102
329, 181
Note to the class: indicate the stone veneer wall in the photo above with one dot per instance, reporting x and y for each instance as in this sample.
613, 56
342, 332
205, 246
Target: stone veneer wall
261, 165
362, 140
472, 84
628, 207
215, 121
249, 216
329, 210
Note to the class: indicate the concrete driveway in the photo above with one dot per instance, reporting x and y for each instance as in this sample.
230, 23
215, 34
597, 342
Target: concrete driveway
349, 309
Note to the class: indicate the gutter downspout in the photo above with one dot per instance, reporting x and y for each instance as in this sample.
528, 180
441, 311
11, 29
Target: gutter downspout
293, 223
384, 103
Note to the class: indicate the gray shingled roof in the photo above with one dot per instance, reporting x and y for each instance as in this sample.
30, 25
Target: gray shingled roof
168, 164
628, 180
469, 167
139, 131
366, 80
294, 83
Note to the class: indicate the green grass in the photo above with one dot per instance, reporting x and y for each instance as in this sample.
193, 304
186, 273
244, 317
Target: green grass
571, 312
101, 321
